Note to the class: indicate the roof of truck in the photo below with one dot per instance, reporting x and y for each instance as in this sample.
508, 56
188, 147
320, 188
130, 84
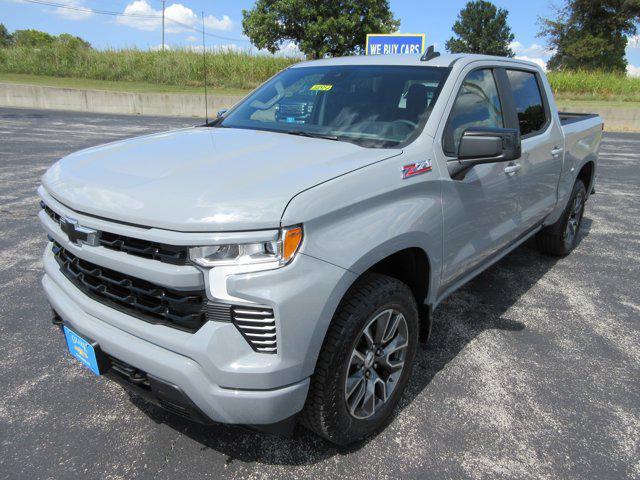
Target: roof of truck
444, 60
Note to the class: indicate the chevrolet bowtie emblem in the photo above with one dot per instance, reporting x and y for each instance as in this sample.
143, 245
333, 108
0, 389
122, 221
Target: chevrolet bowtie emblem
78, 234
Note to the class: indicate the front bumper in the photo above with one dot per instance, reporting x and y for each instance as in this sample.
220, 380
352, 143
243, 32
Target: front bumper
225, 405
215, 367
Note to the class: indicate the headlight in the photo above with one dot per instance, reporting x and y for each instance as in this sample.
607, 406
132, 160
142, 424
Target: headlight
280, 251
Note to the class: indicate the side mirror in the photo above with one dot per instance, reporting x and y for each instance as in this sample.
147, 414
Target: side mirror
485, 145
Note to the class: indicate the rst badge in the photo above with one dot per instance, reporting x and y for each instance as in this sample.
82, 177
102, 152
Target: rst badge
416, 168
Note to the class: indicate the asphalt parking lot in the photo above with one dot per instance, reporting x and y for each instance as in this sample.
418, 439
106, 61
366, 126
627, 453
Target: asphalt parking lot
533, 370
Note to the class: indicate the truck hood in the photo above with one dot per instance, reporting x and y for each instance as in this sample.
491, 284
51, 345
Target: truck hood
201, 179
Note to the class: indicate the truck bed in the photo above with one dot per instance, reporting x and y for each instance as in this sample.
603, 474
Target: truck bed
567, 117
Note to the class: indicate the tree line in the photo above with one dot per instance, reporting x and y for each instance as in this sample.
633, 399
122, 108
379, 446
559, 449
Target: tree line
584, 34
36, 38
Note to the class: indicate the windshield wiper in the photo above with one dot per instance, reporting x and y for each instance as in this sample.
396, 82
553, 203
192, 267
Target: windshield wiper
302, 133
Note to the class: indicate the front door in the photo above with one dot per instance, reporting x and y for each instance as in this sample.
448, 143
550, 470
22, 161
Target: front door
481, 210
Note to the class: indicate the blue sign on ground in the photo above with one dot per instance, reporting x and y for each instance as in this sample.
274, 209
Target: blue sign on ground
389, 44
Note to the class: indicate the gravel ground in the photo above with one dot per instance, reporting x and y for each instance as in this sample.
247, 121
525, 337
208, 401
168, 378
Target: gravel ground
532, 372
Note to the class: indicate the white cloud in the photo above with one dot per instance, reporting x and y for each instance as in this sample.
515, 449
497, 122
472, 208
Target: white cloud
178, 18
535, 53
633, 42
191, 38
633, 71
214, 23
141, 12
533, 50
536, 60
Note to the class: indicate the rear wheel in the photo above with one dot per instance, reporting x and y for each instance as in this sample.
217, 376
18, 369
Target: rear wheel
365, 361
560, 238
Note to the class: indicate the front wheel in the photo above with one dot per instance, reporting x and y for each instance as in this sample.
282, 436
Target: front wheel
365, 361
560, 238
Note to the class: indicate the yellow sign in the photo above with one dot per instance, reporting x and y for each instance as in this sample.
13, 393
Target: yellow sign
321, 88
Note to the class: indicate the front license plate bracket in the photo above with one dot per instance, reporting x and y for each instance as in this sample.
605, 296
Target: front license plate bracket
86, 351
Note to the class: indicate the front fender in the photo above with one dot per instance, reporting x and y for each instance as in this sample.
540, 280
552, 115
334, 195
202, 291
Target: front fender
356, 220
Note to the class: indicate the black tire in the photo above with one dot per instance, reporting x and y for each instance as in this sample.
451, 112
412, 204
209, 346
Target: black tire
326, 411
557, 239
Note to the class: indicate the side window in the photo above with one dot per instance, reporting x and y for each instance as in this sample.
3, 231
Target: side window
477, 105
529, 105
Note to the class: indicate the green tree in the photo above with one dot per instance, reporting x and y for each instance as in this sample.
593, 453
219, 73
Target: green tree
32, 38
481, 28
318, 27
6, 39
71, 41
590, 34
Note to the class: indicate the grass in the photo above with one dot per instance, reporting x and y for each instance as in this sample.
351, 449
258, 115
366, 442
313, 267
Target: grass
116, 86
231, 73
594, 86
181, 68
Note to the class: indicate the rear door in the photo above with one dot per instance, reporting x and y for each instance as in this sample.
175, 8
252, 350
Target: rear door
542, 146
480, 210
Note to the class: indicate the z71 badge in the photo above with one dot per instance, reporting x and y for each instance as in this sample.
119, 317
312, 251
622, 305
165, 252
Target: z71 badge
416, 168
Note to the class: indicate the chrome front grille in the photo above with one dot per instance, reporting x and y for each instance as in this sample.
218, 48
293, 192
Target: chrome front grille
257, 325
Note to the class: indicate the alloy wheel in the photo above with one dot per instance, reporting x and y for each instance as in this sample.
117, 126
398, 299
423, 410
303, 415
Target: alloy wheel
575, 217
376, 363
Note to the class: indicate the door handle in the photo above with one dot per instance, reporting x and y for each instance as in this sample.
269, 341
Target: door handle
555, 153
513, 168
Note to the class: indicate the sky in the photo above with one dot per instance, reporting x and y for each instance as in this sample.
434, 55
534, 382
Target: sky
223, 20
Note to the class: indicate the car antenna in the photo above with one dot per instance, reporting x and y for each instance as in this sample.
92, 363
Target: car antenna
429, 54
204, 64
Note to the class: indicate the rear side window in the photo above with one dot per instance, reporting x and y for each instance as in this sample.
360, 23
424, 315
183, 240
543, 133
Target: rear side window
477, 105
526, 92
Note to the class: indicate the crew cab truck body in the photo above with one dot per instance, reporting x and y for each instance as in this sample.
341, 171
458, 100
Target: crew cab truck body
282, 263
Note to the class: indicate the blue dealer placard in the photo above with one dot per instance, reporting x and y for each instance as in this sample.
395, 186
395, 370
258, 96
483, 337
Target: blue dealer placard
395, 43
81, 350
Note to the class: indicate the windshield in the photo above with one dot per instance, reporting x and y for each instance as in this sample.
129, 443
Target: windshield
372, 106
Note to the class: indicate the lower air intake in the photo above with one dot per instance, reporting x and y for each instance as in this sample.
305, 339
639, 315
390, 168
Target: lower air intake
257, 325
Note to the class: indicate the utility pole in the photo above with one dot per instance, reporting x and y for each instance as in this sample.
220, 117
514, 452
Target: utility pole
163, 2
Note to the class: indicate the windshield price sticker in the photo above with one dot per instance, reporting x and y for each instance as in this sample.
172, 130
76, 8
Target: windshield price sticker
321, 88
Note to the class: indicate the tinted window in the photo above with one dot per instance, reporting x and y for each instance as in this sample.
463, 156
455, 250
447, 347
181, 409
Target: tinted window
526, 92
477, 105
372, 106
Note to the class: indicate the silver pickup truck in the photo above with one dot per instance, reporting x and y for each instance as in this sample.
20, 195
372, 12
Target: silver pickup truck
282, 262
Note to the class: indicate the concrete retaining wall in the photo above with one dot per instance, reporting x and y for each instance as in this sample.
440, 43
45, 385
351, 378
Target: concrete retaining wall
616, 119
190, 105
102, 101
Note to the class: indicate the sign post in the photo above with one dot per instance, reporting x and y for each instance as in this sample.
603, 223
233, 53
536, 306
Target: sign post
395, 43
